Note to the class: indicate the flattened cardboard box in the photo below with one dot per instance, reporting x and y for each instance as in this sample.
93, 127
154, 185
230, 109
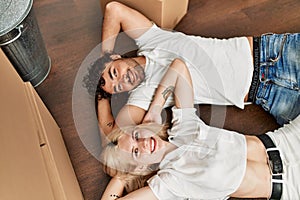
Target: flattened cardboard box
165, 13
34, 161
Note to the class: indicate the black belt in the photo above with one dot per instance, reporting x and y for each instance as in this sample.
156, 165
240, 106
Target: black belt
255, 78
276, 166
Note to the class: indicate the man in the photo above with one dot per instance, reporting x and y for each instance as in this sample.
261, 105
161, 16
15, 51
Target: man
222, 70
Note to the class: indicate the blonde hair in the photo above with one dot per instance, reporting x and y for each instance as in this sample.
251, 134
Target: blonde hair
115, 165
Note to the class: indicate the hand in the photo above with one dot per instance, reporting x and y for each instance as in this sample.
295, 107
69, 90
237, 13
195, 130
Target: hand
115, 56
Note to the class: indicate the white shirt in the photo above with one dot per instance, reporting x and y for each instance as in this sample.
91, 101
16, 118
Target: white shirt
221, 69
209, 163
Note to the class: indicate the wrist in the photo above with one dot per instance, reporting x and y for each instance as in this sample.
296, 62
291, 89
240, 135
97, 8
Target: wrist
155, 108
103, 96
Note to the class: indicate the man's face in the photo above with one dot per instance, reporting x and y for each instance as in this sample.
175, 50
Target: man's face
122, 75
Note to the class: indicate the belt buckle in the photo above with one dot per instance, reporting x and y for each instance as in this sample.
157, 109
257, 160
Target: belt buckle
271, 164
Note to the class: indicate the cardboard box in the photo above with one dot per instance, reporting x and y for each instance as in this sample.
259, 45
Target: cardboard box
34, 161
165, 13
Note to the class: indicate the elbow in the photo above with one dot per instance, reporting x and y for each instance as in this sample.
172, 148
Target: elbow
179, 65
114, 11
113, 7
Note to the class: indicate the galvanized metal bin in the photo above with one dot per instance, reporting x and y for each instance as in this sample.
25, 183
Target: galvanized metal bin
22, 42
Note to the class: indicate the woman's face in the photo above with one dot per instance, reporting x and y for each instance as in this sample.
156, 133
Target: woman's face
142, 145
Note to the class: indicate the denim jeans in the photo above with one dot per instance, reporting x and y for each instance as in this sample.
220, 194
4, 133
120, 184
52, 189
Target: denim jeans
278, 91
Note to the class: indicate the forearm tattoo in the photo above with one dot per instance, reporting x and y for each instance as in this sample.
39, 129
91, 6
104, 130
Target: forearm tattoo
110, 124
167, 92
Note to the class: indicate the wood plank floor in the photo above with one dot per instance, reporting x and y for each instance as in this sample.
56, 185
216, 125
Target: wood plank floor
72, 28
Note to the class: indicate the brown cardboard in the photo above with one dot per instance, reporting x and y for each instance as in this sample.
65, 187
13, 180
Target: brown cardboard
59, 167
22, 169
165, 13
34, 160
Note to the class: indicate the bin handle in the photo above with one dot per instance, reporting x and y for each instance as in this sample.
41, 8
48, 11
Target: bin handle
14, 39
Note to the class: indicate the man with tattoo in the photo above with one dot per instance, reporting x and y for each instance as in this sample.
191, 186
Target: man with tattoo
262, 70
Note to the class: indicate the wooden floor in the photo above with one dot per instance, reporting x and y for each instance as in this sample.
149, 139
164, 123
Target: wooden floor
72, 28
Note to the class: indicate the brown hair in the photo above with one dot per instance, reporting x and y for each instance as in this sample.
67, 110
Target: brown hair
93, 80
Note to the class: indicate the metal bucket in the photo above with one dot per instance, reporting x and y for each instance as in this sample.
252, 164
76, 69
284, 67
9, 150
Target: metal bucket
21, 40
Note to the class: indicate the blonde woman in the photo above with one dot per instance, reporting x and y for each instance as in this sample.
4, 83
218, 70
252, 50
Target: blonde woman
197, 161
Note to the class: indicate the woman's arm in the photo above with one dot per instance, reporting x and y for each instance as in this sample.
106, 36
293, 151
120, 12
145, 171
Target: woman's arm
144, 193
114, 189
119, 17
177, 80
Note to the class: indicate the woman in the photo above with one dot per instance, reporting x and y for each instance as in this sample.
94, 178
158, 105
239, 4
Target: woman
198, 161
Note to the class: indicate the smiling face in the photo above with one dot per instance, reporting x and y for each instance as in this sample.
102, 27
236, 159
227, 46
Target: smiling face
142, 146
122, 75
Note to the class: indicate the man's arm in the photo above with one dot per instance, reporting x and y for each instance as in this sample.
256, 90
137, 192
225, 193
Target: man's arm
106, 121
119, 17
128, 115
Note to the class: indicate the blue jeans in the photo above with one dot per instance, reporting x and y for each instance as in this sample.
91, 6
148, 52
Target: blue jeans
278, 91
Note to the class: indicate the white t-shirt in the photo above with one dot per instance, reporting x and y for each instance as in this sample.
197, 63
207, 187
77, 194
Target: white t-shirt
201, 167
221, 69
